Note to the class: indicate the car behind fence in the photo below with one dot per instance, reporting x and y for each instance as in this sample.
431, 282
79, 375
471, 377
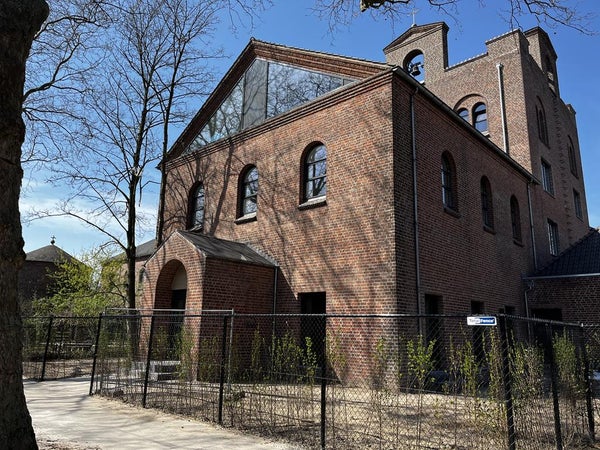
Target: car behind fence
341, 381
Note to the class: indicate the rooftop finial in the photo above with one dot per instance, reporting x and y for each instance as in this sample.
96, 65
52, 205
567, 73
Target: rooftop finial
414, 15
52, 239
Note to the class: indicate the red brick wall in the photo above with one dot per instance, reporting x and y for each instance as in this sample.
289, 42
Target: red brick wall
162, 267
525, 80
345, 247
245, 288
359, 247
460, 260
576, 297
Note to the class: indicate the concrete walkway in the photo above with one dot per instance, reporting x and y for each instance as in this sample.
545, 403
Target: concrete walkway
62, 411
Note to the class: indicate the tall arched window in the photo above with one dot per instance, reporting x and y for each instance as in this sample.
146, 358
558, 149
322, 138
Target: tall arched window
449, 195
487, 209
196, 208
315, 173
541, 122
248, 191
515, 219
464, 113
480, 121
572, 158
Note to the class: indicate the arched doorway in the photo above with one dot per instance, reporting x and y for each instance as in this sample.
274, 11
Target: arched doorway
178, 296
179, 289
171, 293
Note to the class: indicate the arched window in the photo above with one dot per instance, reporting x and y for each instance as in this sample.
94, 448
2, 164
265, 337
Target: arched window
464, 113
480, 121
315, 173
196, 208
449, 195
515, 219
487, 210
248, 191
572, 158
541, 123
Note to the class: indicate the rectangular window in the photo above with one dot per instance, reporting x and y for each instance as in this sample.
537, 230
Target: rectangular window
553, 237
547, 182
577, 203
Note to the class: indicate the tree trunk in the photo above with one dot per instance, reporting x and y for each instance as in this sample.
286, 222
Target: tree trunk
19, 21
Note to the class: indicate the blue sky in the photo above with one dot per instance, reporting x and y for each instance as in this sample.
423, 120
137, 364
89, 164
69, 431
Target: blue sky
292, 23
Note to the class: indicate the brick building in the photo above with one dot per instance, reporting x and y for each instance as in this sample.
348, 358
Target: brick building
311, 182
36, 275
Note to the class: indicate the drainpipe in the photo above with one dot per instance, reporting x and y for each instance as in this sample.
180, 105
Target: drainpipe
275, 275
500, 68
274, 311
531, 227
530, 286
415, 202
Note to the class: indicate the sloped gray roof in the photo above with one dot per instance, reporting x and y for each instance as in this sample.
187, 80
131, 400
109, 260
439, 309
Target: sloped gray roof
580, 259
213, 247
49, 254
145, 249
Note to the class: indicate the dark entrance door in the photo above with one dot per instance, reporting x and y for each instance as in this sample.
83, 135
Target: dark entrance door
313, 327
176, 324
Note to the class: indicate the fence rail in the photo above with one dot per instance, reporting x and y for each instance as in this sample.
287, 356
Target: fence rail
58, 346
347, 381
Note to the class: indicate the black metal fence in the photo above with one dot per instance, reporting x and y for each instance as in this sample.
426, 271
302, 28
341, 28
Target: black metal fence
58, 347
357, 381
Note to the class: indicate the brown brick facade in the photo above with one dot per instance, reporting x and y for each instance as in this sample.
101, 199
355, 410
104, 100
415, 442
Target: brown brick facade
381, 241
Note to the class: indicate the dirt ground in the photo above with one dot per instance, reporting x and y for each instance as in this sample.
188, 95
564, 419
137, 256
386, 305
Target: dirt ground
47, 443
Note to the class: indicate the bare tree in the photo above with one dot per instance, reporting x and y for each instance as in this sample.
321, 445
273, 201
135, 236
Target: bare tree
63, 53
550, 13
155, 60
19, 21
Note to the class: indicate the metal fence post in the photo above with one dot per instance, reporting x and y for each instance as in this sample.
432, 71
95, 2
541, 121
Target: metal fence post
148, 360
588, 385
48, 335
554, 382
507, 382
324, 389
222, 372
96, 345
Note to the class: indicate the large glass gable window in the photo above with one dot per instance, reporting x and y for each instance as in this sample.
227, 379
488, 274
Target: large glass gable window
290, 87
265, 90
315, 173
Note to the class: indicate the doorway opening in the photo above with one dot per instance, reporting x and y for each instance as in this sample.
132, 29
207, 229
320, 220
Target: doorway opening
313, 328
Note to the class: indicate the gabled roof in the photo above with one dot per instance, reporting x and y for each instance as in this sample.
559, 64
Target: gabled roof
415, 30
342, 66
213, 247
145, 249
582, 258
49, 254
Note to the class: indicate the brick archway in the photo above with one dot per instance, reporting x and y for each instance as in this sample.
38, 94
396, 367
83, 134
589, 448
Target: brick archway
163, 296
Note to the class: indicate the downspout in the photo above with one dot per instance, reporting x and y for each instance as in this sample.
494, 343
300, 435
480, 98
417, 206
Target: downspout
415, 202
500, 68
530, 286
531, 227
274, 311
275, 276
